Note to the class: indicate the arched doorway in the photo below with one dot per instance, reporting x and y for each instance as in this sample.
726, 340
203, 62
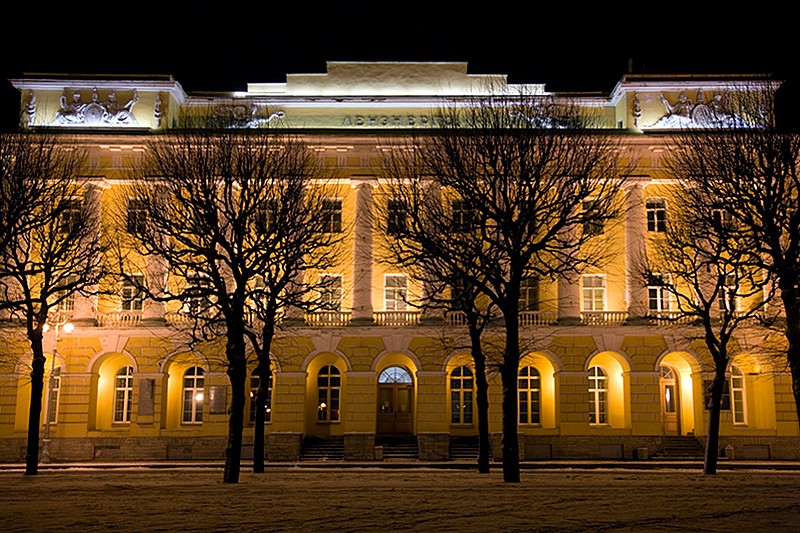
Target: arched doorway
395, 401
670, 400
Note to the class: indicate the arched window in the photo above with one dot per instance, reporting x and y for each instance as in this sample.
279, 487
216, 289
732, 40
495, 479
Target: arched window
738, 406
598, 396
395, 374
529, 390
329, 387
255, 381
193, 394
123, 395
461, 392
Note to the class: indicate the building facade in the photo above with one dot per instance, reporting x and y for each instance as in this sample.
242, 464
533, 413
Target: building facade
602, 376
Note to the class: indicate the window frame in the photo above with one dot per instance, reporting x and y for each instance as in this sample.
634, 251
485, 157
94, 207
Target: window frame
134, 302
329, 395
461, 383
195, 404
738, 394
598, 396
136, 216
600, 289
124, 394
529, 395
398, 294
656, 214
331, 215
331, 294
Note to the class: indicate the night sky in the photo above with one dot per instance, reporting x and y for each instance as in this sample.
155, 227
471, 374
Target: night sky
223, 46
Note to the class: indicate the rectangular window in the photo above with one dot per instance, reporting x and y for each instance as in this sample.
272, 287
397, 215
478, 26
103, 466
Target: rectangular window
131, 295
54, 395
656, 214
463, 217
266, 215
331, 292
529, 295
198, 294
137, 216
727, 294
593, 225
70, 209
658, 295
594, 292
396, 217
395, 292
66, 297
332, 215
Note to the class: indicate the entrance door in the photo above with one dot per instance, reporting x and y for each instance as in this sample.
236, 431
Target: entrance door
395, 402
669, 401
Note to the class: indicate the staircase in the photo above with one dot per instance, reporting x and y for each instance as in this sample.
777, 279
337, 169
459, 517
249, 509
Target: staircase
398, 447
322, 449
465, 448
684, 448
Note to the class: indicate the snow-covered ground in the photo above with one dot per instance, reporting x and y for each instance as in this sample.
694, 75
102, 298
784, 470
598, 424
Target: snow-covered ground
408, 499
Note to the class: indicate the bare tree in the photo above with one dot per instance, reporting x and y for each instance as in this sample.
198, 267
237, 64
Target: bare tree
536, 176
752, 165
437, 240
715, 280
52, 246
234, 215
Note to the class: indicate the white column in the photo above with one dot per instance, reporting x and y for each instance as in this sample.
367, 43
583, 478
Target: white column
362, 253
635, 250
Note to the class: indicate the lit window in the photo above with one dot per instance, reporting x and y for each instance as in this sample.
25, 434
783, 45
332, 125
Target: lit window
331, 292
659, 296
136, 216
395, 374
594, 292
193, 395
656, 209
598, 395
329, 386
132, 296
461, 393
529, 389
396, 220
123, 393
255, 381
332, 215
395, 292
738, 405
529, 295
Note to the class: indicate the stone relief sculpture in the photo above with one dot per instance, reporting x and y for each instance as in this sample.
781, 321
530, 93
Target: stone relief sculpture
241, 117
157, 113
30, 108
95, 113
684, 113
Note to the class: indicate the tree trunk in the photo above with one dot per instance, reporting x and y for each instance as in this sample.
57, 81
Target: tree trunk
509, 371
715, 404
791, 307
34, 414
482, 399
264, 375
237, 373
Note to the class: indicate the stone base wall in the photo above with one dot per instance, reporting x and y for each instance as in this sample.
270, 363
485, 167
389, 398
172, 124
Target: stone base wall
433, 446
282, 447
359, 446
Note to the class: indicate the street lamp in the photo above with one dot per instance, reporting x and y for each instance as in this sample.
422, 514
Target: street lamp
68, 327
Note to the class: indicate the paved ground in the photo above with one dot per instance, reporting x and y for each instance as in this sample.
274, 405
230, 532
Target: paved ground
351, 497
